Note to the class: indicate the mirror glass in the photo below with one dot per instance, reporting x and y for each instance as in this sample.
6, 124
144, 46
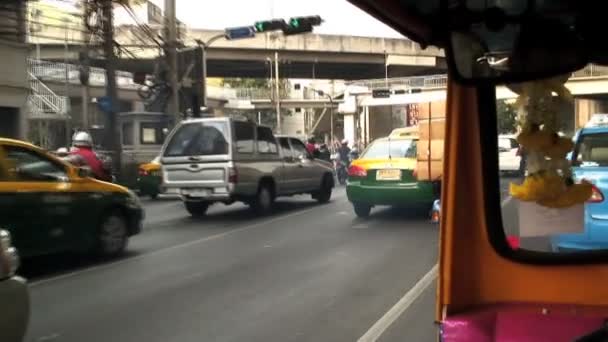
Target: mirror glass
84, 172
553, 162
500, 40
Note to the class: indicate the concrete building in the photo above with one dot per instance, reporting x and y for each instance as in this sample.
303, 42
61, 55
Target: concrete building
14, 86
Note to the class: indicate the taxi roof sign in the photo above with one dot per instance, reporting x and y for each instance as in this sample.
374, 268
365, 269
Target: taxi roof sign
405, 132
598, 120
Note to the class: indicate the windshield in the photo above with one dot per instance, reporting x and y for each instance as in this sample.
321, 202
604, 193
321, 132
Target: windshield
199, 139
394, 148
592, 150
212, 229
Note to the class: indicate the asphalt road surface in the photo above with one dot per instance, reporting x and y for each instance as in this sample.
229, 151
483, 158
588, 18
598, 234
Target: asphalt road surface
308, 272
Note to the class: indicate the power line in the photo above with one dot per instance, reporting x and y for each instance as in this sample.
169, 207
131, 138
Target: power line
144, 27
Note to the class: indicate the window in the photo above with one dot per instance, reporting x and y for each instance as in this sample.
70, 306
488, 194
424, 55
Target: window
243, 132
27, 165
297, 86
127, 133
285, 148
299, 149
551, 193
592, 150
298, 109
397, 148
199, 139
151, 133
267, 143
507, 143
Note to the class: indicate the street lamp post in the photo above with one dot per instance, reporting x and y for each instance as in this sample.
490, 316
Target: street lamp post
204, 46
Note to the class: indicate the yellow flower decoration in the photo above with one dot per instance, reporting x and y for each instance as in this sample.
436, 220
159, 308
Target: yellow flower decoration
574, 194
559, 149
538, 187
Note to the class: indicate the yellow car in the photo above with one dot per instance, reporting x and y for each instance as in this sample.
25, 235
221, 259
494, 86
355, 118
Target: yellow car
49, 205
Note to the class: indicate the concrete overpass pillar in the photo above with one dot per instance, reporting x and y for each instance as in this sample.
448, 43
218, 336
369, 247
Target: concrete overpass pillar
584, 108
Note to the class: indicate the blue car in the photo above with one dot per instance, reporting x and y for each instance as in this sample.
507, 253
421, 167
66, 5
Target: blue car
590, 162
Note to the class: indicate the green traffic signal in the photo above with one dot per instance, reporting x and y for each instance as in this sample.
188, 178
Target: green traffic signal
269, 25
295, 23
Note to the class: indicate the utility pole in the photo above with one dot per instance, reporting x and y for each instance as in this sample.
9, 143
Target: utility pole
171, 54
278, 92
111, 131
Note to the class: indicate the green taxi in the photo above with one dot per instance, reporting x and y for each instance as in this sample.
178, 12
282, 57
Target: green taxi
50, 206
385, 174
149, 179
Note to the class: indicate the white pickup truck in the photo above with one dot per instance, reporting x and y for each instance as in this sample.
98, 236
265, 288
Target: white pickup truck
224, 160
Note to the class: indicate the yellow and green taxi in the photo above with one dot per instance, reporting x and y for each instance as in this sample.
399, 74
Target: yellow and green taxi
385, 174
50, 206
149, 178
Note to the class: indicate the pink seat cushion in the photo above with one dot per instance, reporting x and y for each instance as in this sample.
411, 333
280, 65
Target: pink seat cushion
518, 323
532, 327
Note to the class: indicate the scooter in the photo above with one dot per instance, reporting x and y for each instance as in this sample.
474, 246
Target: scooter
341, 170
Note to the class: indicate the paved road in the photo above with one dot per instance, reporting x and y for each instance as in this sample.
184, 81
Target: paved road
306, 273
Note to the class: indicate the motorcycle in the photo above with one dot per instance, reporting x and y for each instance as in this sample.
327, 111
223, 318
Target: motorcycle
341, 170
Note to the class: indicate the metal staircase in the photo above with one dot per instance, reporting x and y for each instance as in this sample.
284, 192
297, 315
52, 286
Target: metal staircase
44, 104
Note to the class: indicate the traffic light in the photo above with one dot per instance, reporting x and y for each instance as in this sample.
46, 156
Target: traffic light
270, 25
299, 25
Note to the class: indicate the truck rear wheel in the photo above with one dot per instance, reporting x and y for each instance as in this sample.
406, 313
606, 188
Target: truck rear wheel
264, 200
197, 209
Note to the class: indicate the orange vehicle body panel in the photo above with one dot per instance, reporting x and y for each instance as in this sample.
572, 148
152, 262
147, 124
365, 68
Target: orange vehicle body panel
471, 273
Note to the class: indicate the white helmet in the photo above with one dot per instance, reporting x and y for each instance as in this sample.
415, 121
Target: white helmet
82, 139
345, 142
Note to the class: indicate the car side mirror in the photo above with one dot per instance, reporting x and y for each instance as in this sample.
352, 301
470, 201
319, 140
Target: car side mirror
84, 172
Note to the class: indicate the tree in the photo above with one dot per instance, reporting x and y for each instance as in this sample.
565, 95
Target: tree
506, 117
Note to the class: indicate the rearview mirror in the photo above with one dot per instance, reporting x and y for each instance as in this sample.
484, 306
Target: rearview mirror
84, 172
504, 45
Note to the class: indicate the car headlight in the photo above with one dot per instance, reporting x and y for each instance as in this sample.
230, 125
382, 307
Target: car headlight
5, 239
133, 200
9, 258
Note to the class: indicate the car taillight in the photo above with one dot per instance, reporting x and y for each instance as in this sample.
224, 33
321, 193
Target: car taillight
233, 176
143, 172
357, 171
596, 195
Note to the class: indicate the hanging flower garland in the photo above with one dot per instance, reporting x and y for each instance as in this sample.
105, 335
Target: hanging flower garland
549, 179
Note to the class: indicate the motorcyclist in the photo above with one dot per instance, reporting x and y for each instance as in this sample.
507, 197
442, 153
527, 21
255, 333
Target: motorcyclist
310, 146
82, 148
344, 152
324, 153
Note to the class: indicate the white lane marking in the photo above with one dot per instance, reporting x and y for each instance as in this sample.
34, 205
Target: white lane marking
171, 248
391, 315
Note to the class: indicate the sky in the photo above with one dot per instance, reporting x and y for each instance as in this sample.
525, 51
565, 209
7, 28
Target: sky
340, 16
